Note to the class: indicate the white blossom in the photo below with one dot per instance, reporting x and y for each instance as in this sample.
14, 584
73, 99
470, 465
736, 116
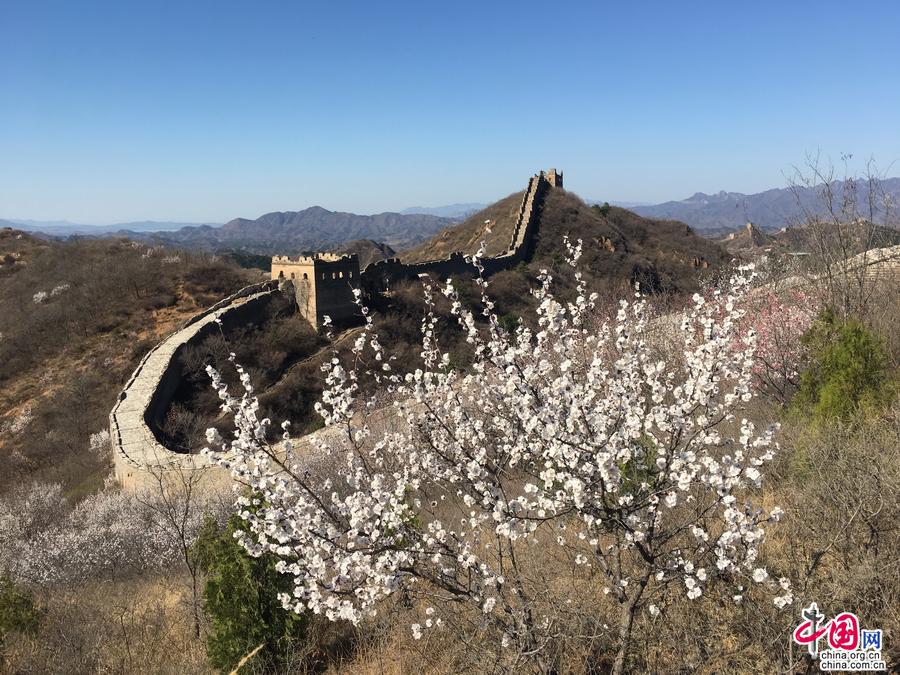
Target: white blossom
760, 575
602, 433
45, 541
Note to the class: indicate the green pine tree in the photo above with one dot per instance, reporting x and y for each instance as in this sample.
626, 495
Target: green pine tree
847, 370
18, 612
241, 602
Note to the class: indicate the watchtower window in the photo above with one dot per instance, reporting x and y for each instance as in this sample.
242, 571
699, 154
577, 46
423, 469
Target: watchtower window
293, 276
334, 275
304, 276
281, 274
323, 276
341, 275
350, 274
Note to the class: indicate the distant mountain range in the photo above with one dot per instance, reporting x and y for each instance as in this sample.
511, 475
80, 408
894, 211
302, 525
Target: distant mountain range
316, 228
64, 228
624, 205
292, 232
770, 210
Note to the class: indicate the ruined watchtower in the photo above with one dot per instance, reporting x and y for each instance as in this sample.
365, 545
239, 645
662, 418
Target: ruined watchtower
323, 285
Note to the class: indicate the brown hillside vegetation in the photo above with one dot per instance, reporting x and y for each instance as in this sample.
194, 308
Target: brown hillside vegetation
17, 249
663, 255
468, 235
619, 245
76, 318
748, 240
859, 236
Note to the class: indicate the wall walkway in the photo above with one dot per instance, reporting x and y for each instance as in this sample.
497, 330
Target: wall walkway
138, 453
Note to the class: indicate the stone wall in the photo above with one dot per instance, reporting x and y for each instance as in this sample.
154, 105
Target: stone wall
878, 264
555, 178
139, 454
379, 276
301, 273
334, 284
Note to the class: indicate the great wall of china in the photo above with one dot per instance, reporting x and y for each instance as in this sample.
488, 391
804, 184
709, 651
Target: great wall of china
141, 458
380, 275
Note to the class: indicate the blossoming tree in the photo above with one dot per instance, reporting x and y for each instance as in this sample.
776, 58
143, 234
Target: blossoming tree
575, 433
780, 320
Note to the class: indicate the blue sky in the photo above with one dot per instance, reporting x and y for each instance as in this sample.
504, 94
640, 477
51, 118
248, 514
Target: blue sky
208, 110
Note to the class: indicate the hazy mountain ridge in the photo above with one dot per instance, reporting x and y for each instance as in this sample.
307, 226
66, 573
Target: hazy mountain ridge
291, 232
770, 210
65, 228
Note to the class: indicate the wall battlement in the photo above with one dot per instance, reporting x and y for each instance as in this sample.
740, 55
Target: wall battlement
309, 259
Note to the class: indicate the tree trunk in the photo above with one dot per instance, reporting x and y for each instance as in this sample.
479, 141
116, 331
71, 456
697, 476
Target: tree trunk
626, 625
195, 601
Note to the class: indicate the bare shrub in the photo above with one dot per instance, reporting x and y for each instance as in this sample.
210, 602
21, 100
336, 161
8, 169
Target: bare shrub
122, 627
842, 219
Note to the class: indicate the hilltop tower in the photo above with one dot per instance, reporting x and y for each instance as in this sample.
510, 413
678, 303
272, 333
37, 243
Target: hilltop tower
323, 285
554, 177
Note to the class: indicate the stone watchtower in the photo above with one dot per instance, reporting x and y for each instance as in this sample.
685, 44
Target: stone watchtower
554, 177
323, 285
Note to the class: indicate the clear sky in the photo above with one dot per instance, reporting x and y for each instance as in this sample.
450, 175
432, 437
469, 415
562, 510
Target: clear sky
203, 110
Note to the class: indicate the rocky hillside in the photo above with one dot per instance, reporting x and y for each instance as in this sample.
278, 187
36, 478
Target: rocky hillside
859, 237
751, 242
493, 224
294, 232
368, 251
750, 239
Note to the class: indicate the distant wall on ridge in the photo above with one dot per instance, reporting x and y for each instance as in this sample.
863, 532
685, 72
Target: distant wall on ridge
379, 276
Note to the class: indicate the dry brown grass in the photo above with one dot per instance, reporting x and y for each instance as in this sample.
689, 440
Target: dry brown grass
135, 626
468, 235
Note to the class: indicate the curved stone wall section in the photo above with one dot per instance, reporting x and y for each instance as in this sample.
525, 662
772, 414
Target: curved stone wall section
138, 454
877, 264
